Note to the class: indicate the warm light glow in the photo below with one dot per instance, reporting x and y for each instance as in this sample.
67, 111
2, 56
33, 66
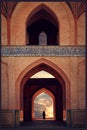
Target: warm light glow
43, 102
42, 74
49, 112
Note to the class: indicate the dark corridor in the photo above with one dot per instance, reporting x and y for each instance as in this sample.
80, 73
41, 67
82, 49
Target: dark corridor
42, 21
32, 86
42, 25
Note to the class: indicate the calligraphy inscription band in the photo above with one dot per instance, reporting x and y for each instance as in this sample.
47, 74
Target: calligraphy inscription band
42, 51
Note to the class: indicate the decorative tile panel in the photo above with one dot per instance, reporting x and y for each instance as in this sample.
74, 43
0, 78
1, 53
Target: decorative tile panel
42, 51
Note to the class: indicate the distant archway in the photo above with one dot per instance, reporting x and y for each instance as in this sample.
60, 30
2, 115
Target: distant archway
39, 92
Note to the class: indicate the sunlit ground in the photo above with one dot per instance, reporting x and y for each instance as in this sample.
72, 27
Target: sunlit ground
43, 102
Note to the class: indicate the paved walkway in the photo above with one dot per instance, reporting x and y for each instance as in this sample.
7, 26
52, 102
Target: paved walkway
43, 124
40, 125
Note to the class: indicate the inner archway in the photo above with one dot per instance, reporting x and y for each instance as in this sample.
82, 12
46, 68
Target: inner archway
35, 86
43, 100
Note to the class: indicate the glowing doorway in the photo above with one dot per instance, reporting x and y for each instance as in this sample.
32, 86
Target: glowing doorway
43, 101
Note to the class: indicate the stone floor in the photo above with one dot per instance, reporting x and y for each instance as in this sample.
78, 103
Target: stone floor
40, 125
43, 124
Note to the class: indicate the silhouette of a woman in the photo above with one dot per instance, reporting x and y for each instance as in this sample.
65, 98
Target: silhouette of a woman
43, 114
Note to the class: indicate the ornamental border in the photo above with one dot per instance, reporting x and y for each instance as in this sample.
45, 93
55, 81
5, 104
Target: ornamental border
42, 51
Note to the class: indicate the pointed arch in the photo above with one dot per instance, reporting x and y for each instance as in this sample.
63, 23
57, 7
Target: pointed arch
42, 6
50, 67
60, 10
41, 19
41, 91
48, 93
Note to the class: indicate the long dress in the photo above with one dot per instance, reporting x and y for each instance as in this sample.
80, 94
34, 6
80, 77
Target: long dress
43, 114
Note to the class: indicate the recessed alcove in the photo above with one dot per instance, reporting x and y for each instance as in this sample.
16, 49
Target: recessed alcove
42, 21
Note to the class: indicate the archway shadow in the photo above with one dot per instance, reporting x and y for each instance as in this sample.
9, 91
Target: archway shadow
44, 124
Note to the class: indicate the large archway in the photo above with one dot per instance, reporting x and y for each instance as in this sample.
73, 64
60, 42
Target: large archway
49, 67
52, 87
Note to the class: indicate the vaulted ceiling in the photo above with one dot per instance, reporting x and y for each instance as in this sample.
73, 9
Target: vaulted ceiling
77, 8
7, 8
